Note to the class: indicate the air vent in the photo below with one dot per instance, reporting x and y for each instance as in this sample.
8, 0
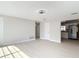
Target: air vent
74, 13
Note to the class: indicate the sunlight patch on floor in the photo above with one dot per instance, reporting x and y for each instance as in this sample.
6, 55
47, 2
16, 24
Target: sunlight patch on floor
12, 52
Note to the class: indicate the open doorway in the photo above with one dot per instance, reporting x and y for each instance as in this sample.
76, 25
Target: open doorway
70, 30
37, 30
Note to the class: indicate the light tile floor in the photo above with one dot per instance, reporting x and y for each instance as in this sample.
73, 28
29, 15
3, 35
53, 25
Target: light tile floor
49, 49
42, 49
11, 52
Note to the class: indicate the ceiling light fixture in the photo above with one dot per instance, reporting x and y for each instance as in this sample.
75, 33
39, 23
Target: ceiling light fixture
42, 11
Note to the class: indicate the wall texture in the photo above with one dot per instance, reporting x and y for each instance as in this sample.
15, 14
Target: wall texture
17, 30
55, 32
1, 29
50, 31
44, 30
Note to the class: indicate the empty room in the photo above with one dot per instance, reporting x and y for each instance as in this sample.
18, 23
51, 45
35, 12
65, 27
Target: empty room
39, 29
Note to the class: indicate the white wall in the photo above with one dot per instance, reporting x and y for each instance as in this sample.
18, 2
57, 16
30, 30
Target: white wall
44, 30
1, 29
18, 30
55, 32
51, 31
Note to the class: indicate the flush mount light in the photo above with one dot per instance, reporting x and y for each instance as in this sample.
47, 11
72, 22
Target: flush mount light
42, 11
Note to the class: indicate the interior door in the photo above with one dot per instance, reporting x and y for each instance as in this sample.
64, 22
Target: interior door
37, 30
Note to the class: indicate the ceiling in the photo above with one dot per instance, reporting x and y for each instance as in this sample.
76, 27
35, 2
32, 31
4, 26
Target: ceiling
54, 10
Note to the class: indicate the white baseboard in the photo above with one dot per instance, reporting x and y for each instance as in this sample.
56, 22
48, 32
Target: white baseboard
56, 41
52, 40
6, 44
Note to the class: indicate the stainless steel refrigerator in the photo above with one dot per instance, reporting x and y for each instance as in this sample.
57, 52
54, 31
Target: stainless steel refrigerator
72, 32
